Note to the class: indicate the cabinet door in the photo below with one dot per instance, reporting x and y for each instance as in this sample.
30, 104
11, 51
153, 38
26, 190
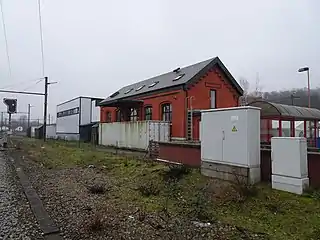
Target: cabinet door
211, 137
235, 139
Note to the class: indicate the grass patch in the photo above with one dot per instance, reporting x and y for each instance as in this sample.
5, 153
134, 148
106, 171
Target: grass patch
175, 172
181, 192
149, 188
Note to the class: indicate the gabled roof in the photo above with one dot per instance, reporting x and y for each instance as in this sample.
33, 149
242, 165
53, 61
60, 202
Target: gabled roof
174, 78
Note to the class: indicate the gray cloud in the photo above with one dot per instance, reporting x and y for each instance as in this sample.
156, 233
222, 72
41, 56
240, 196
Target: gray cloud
94, 47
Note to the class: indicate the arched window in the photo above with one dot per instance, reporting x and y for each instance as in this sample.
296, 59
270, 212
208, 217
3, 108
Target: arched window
118, 115
148, 113
166, 112
108, 116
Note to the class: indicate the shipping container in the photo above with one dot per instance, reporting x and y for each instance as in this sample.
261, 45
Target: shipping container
33, 132
38, 132
51, 131
133, 135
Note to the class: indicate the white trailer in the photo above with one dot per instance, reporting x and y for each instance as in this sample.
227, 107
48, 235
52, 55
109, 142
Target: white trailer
77, 114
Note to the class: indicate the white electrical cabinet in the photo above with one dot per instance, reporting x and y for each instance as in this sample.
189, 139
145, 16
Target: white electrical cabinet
289, 164
231, 136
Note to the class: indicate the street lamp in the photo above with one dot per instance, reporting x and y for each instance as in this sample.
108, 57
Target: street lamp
306, 69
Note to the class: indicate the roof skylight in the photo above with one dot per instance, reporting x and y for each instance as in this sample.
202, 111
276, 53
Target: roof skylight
178, 77
114, 94
153, 84
128, 91
139, 88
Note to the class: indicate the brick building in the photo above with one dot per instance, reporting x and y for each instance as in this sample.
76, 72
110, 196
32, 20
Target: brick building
176, 96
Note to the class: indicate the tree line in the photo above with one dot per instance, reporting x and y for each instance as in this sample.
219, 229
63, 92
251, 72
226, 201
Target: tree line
296, 97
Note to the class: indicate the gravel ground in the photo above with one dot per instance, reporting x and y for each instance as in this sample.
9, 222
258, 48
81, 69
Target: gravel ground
66, 198
16, 218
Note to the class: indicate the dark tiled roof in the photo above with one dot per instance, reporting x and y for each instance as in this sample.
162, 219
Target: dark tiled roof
167, 80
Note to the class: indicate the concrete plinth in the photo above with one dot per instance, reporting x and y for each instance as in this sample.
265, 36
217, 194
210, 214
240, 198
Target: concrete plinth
290, 184
230, 173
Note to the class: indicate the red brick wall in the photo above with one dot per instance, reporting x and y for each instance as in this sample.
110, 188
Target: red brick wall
314, 169
103, 114
226, 96
177, 99
181, 153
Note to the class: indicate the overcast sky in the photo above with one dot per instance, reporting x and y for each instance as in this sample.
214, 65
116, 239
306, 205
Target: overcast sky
94, 47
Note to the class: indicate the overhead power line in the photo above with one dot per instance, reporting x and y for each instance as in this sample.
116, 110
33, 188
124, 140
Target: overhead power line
22, 92
33, 84
41, 36
20, 83
5, 38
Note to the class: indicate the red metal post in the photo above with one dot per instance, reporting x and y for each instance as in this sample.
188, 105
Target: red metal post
315, 132
280, 128
309, 100
268, 130
292, 128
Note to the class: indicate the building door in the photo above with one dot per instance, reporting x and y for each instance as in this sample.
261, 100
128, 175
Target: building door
213, 99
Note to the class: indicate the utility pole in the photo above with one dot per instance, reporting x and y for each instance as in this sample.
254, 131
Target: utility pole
45, 108
29, 107
309, 96
307, 69
49, 119
1, 121
10, 126
46, 84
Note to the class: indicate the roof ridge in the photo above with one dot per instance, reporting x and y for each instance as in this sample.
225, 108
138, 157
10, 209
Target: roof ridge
159, 75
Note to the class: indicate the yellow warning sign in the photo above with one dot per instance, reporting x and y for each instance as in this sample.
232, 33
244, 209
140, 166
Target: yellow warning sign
234, 129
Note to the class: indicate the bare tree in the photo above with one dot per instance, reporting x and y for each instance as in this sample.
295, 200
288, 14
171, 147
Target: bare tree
258, 88
245, 86
243, 100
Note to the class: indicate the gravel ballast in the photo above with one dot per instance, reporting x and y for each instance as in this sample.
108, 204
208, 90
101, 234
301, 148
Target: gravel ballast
17, 220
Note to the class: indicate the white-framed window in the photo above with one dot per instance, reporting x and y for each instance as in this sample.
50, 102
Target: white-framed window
148, 113
134, 114
166, 112
213, 102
